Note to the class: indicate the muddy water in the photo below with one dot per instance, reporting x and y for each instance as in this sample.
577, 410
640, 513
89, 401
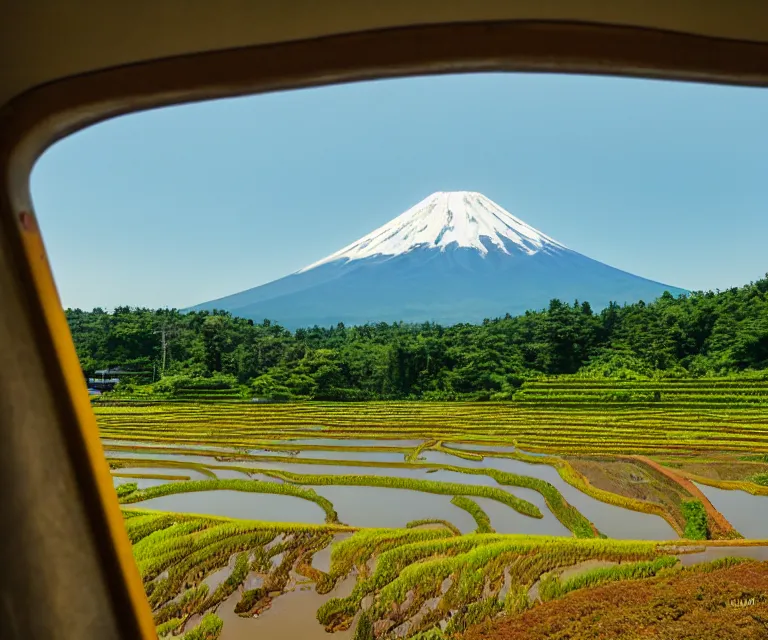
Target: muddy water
322, 559
372, 456
231, 474
174, 457
506, 520
385, 507
327, 469
239, 504
291, 616
141, 483
170, 445
713, 553
747, 513
347, 442
613, 521
503, 518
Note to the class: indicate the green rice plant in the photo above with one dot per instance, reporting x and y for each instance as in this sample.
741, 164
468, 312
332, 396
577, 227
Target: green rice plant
160, 463
580, 482
233, 581
759, 478
566, 513
472, 614
476, 511
208, 629
425, 521
392, 561
334, 611
754, 458
364, 628
465, 455
687, 418
427, 486
141, 525
718, 563
429, 634
516, 601
182, 607
167, 627
413, 456
249, 600
360, 547
552, 587
253, 486
695, 515
546, 552
163, 551
164, 540
126, 489
192, 566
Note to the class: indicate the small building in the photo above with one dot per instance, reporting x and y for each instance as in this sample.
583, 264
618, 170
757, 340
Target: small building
106, 379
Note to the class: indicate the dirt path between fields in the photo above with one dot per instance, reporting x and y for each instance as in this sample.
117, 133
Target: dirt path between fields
724, 528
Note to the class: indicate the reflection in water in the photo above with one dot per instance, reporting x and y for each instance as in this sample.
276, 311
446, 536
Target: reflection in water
372, 456
328, 469
506, 520
613, 521
383, 507
239, 504
348, 442
503, 518
291, 616
141, 483
747, 513
713, 553
159, 444
322, 559
155, 455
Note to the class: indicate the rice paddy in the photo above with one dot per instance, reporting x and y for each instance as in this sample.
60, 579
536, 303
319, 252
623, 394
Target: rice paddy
432, 517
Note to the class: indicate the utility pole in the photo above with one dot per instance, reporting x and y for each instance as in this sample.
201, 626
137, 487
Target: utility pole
166, 333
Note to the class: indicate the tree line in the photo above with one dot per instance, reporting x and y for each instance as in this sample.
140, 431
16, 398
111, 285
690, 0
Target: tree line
699, 334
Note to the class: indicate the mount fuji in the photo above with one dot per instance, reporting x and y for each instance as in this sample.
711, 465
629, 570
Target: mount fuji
454, 257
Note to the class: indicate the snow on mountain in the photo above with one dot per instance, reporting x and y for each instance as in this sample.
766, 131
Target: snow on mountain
459, 218
454, 257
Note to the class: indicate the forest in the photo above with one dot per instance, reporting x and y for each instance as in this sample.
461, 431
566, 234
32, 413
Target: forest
720, 333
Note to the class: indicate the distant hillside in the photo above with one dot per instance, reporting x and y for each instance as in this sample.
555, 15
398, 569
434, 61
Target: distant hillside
700, 334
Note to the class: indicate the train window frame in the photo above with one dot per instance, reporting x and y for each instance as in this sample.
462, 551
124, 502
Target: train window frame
67, 528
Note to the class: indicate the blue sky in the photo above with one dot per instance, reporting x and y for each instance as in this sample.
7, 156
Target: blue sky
184, 204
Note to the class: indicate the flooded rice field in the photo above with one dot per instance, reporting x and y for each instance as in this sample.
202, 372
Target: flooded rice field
376, 506
747, 513
613, 521
393, 508
239, 504
414, 484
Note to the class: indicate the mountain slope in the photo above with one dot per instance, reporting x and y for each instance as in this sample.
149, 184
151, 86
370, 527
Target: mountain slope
454, 257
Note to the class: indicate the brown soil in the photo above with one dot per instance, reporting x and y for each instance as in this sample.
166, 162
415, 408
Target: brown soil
727, 604
719, 527
634, 480
724, 470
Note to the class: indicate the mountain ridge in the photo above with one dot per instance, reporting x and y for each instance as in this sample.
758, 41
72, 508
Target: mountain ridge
453, 257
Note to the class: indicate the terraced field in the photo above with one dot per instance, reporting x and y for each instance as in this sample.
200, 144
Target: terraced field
420, 520
557, 416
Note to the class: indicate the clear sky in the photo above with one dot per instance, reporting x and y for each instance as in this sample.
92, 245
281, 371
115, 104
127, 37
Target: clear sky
181, 205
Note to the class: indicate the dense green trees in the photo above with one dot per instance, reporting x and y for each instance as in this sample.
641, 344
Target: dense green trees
712, 333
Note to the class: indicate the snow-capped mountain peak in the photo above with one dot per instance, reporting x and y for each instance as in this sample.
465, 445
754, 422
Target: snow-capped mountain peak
448, 218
